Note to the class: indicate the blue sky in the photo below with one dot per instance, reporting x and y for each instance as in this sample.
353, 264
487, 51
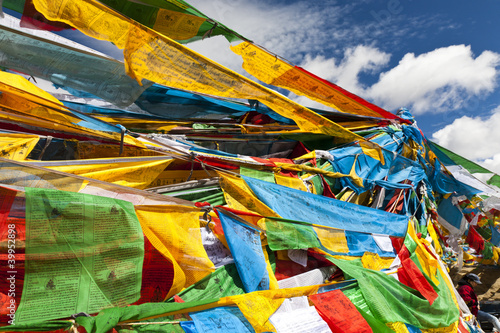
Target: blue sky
439, 59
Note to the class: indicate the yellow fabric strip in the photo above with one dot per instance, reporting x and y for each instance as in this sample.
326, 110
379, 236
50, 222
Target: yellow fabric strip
373, 150
427, 261
291, 182
17, 146
435, 238
89, 150
374, 261
169, 177
23, 102
152, 56
301, 167
130, 123
37, 95
137, 174
398, 327
258, 306
272, 70
240, 197
453, 328
333, 239
273, 282
180, 242
176, 25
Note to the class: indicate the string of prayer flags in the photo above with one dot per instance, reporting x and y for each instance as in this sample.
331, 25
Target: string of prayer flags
152, 56
136, 172
24, 103
61, 64
272, 70
173, 18
410, 275
393, 302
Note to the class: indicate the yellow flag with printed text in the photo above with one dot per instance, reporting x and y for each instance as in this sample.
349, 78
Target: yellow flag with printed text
17, 146
135, 172
155, 57
174, 230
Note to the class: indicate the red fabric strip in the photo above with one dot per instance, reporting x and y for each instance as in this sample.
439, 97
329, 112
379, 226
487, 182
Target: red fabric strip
339, 312
383, 113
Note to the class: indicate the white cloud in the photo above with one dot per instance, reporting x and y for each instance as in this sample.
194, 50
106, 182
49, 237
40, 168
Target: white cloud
356, 60
474, 138
324, 40
437, 81
295, 29
493, 163
287, 29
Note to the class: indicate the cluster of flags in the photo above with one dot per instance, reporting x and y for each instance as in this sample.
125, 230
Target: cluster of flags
168, 193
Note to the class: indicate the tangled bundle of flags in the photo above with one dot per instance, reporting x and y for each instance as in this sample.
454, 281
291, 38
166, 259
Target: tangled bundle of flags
168, 193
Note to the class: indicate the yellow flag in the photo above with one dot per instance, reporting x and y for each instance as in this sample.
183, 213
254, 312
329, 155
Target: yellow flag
153, 56
169, 177
301, 167
435, 238
23, 102
453, 328
428, 263
36, 94
240, 197
17, 146
258, 306
176, 25
136, 172
272, 70
131, 123
398, 327
174, 230
291, 182
333, 239
371, 261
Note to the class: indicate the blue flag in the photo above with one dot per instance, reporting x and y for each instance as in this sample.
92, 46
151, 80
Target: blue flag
222, 319
316, 209
246, 248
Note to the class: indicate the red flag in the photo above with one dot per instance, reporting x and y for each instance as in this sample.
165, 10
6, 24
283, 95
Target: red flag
411, 276
327, 191
339, 312
33, 19
157, 275
475, 240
